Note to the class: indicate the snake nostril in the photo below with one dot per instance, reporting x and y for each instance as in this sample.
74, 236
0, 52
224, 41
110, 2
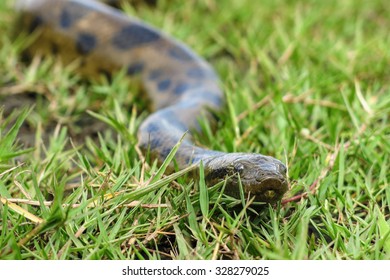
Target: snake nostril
260, 177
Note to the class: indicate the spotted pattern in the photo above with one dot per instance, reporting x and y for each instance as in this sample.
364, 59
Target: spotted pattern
155, 74
135, 68
164, 85
152, 128
165, 152
85, 43
134, 35
181, 86
181, 54
72, 13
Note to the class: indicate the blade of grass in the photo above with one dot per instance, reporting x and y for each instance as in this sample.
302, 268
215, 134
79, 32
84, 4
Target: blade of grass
203, 193
384, 230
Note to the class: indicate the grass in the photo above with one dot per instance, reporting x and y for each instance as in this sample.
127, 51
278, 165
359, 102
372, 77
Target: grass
306, 82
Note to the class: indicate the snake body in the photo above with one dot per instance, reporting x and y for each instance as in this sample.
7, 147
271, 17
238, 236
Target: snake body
180, 85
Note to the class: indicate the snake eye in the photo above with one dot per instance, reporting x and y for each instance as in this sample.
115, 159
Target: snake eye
283, 169
238, 168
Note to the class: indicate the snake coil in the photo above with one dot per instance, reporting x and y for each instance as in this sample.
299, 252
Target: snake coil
180, 85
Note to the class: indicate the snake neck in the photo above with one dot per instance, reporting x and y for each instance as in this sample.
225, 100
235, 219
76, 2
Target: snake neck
162, 130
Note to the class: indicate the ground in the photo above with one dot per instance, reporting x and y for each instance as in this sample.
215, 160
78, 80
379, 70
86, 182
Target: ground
306, 82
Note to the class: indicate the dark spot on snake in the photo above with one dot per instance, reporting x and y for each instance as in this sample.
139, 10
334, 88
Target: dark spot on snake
165, 152
152, 127
134, 35
155, 74
164, 85
65, 19
35, 23
196, 73
155, 143
180, 53
71, 13
180, 88
85, 43
135, 68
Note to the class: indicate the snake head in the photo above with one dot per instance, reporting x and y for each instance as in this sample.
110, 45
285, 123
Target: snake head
263, 177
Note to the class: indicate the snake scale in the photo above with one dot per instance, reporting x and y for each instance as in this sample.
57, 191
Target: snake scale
180, 85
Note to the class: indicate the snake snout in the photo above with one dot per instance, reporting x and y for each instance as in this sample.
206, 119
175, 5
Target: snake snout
271, 189
272, 183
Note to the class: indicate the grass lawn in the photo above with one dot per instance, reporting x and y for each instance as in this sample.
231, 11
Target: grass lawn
307, 82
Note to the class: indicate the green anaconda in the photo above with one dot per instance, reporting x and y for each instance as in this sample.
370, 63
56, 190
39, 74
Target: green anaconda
180, 85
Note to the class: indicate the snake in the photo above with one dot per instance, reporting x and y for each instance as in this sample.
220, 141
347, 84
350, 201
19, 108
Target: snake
180, 86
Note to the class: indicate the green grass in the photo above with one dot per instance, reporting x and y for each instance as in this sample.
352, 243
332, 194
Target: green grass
307, 82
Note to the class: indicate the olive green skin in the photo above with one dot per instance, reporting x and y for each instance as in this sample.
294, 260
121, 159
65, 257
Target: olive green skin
180, 85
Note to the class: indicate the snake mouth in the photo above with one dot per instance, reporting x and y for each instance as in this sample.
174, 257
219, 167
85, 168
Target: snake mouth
269, 189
